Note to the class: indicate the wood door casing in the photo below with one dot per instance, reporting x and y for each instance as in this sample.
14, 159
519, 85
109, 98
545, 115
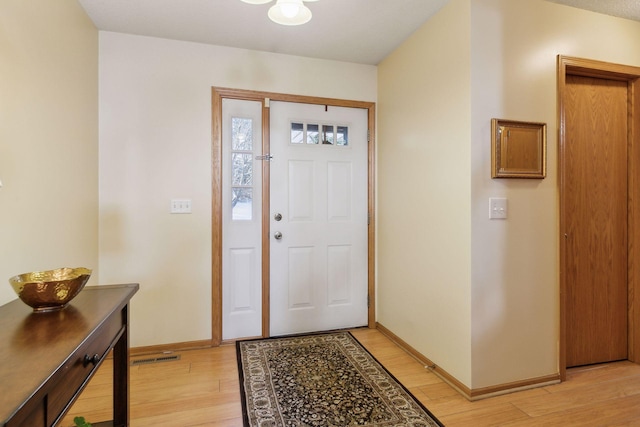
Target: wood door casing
217, 95
596, 223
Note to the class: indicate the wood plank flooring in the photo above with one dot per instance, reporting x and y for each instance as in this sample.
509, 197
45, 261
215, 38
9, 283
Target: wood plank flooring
201, 389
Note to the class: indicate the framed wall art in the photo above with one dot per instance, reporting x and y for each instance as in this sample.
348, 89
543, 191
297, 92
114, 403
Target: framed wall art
518, 149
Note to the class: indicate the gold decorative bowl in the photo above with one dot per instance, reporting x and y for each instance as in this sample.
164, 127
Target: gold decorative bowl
50, 290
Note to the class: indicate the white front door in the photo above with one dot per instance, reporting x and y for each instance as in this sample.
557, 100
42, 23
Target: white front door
318, 238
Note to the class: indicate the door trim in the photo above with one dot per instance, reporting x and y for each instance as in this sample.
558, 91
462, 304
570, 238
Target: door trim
599, 69
217, 94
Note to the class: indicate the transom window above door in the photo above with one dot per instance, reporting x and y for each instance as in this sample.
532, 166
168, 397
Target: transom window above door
319, 134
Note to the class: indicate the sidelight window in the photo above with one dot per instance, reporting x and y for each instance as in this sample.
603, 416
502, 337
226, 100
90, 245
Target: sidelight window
242, 158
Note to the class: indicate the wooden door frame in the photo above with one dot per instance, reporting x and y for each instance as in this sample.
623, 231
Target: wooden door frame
599, 69
217, 95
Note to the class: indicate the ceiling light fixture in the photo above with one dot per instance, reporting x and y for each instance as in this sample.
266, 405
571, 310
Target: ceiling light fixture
287, 12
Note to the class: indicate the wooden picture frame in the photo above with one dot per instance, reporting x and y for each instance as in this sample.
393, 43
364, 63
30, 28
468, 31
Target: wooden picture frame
518, 149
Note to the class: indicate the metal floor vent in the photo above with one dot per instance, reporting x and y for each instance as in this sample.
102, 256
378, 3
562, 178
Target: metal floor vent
155, 360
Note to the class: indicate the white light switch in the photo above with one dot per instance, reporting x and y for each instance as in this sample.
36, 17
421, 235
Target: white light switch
497, 208
180, 206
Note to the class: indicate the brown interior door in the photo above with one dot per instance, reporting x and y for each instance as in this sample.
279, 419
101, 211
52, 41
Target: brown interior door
595, 197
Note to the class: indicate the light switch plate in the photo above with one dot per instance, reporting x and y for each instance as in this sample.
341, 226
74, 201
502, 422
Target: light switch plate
180, 206
497, 208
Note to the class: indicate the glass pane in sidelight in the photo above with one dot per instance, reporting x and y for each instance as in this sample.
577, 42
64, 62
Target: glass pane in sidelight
241, 134
327, 134
342, 135
313, 134
241, 204
242, 166
297, 133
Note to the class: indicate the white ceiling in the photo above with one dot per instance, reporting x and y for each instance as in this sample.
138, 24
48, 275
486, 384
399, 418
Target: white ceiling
361, 31
629, 9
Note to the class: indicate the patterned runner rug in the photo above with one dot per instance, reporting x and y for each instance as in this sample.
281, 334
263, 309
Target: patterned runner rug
321, 380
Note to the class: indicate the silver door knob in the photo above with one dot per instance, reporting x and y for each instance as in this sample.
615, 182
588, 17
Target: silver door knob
277, 217
277, 235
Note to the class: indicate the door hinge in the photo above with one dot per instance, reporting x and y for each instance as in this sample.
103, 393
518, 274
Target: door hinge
368, 218
368, 135
266, 157
368, 300
266, 102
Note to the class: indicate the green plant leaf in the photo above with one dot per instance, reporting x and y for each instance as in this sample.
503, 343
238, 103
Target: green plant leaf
81, 422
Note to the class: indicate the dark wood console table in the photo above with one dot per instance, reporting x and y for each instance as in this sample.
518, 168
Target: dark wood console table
46, 359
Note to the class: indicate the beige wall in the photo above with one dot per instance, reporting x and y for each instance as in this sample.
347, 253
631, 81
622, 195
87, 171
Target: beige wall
515, 274
501, 278
424, 191
48, 138
155, 145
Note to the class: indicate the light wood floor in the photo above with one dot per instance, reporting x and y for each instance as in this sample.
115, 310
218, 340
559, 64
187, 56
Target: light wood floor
201, 389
